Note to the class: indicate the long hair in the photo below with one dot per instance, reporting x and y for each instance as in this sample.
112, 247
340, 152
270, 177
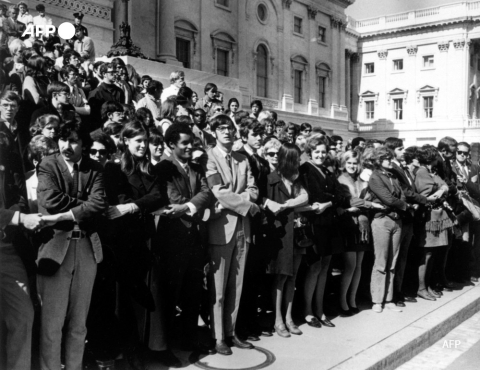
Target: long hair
128, 163
288, 161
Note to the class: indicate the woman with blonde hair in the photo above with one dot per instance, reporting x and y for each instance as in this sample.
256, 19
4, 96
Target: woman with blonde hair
169, 112
357, 229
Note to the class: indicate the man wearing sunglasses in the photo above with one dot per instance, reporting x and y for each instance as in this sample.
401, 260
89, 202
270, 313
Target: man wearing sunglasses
467, 256
106, 91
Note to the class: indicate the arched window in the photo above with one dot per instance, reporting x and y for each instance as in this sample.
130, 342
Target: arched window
262, 73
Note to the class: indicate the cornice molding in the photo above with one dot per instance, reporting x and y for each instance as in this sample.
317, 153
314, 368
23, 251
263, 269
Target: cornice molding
466, 20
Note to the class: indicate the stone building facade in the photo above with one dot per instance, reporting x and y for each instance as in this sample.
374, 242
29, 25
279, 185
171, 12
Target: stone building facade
290, 54
417, 75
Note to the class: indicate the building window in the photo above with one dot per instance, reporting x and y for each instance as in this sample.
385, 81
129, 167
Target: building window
398, 65
183, 52
428, 61
369, 109
262, 12
428, 106
262, 73
398, 108
369, 68
321, 33
298, 87
297, 25
222, 62
322, 89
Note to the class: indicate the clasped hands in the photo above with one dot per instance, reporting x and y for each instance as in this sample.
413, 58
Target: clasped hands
120, 210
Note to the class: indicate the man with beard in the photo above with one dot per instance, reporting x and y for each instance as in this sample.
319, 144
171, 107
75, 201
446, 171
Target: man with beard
106, 91
71, 190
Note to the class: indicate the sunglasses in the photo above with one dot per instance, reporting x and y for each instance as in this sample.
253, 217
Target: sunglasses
459, 152
272, 154
102, 152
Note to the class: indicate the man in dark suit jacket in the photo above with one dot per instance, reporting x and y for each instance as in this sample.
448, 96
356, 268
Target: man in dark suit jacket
71, 190
183, 232
251, 133
468, 254
200, 119
407, 184
16, 259
18, 135
106, 91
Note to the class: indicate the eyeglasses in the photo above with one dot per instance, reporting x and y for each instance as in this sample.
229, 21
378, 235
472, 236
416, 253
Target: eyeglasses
272, 154
67, 95
102, 152
223, 129
459, 152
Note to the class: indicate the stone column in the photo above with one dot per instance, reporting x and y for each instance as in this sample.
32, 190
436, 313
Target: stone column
166, 30
348, 54
341, 64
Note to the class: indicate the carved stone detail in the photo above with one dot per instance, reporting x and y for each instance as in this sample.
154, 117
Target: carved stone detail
355, 57
443, 45
459, 44
286, 3
85, 7
312, 11
412, 50
382, 54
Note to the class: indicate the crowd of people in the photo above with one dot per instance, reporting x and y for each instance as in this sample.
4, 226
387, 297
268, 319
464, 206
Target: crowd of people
142, 213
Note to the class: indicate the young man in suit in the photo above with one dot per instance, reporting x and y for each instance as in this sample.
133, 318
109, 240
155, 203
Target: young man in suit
71, 190
407, 183
230, 178
251, 133
200, 119
468, 254
17, 259
182, 229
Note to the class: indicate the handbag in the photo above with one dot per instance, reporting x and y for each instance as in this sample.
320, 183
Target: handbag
302, 232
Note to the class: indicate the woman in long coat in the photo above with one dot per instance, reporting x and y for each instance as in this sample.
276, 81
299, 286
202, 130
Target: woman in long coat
134, 193
284, 194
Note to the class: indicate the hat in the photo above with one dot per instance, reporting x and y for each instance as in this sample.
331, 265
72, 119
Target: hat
40, 8
78, 15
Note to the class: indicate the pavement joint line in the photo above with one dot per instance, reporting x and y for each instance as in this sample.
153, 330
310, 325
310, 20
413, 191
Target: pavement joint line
425, 337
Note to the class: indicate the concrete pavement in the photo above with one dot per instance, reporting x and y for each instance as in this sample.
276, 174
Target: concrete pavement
365, 341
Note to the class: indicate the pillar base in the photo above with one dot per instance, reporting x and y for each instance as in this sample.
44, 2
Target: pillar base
170, 59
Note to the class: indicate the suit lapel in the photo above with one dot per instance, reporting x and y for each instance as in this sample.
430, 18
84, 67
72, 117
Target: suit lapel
225, 171
183, 182
235, 165
67, 177
84, 178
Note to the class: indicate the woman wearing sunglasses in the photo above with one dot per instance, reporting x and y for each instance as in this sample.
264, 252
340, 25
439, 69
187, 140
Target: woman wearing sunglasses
102, 147
386, 229
270, 153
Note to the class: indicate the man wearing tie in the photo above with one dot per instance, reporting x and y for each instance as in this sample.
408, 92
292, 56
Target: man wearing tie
407, 183
71, 190
200, 119
230, 178
251, 133
183, 233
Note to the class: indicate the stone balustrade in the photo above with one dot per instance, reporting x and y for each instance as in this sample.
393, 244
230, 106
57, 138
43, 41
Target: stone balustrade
443, 13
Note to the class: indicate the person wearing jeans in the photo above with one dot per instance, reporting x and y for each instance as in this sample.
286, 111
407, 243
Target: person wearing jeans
386, 229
